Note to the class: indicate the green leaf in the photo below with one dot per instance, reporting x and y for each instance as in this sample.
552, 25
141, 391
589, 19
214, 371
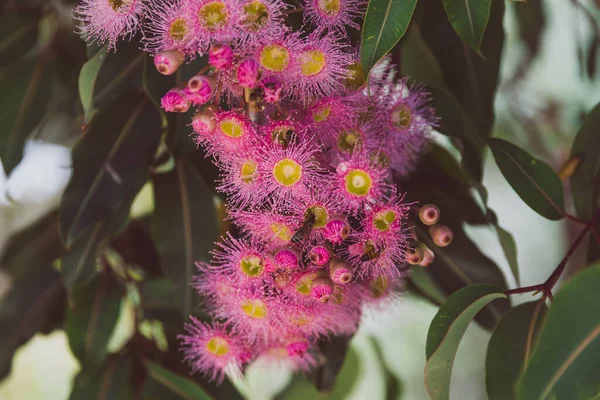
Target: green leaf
385, 23
33, 304
87, 81
91, 319
534, 180
564, 364
112, 382
110, 163
26, 86
184, 227
509, 348
469, 19
586, 149
18, 33
446, 331
425, 285
509, 247
178, 386
393, 384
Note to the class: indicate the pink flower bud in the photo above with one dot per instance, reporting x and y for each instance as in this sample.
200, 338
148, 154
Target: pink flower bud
297, 349
429, 214
204, 122
321, 289
340, 272
167, 62
247, 73
220, 56
428, 257
336, 230
286, 258
198, 90
441, 235
272, 89
174, 101
415, 255
319, 255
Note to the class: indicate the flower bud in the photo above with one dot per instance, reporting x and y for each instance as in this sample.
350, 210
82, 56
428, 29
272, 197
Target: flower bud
428, 257
174, 101
286, 258
429, 214
319, 255
167, 62
220, 56
321, 289
415, 255
204, 122
340, 272
247, 73
198, 90
441, 235
336, 230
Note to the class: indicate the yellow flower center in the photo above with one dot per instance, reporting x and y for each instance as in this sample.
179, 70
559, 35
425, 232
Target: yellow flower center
355, 75
274, 58
329, 7
256, 16
116, 4
254, 308
301, 319
217, 346
322, 113
304, 284
213, 16
282, 231
401, 116
252, 266
312, 62
287, 172
231, 128
178, 30
248, 171
349, 139
358, 182
383, 219
321, 215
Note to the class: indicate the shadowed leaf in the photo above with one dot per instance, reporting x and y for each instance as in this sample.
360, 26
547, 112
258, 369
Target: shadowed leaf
112, 382
177, 387
469, 19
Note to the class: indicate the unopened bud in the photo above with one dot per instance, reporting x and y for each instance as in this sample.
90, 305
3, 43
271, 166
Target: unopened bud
428, 257
220, 56
319, 255
247, 73
204, 122
441, 235
175, 101
321, 289
340, 272
414, 255
336, 230
167, 62
198, 90
429, 214
286, 258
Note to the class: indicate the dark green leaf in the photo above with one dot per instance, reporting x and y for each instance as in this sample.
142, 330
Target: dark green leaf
26, 86
385, 23
469, 18
79, 262
534, 180
87, 81
510, 346
178, 386
446, 331
393, 384
509, 246
33, 304
18, 33
184, 227
110, 163
112, 382
586, 149
565, 363
91, 319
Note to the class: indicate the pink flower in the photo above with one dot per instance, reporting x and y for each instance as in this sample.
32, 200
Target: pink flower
241, 261
247, 73
220, 56
175, 101
241, 181
169, 27
109, 20
213, 350
260, 20
334, 14
214, 21
271, 228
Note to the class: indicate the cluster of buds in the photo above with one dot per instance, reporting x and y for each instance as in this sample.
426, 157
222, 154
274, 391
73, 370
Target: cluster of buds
308, 150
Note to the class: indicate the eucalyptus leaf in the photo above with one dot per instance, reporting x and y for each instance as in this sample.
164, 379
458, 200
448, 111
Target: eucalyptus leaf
87, 80
18, 33
510, 347
534, 180
177, 386
469, 18
386, 21
565, 363
446, 331
112, 382
110, 163
91, 318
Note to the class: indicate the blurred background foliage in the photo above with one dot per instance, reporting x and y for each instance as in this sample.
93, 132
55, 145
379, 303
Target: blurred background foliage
104, 267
